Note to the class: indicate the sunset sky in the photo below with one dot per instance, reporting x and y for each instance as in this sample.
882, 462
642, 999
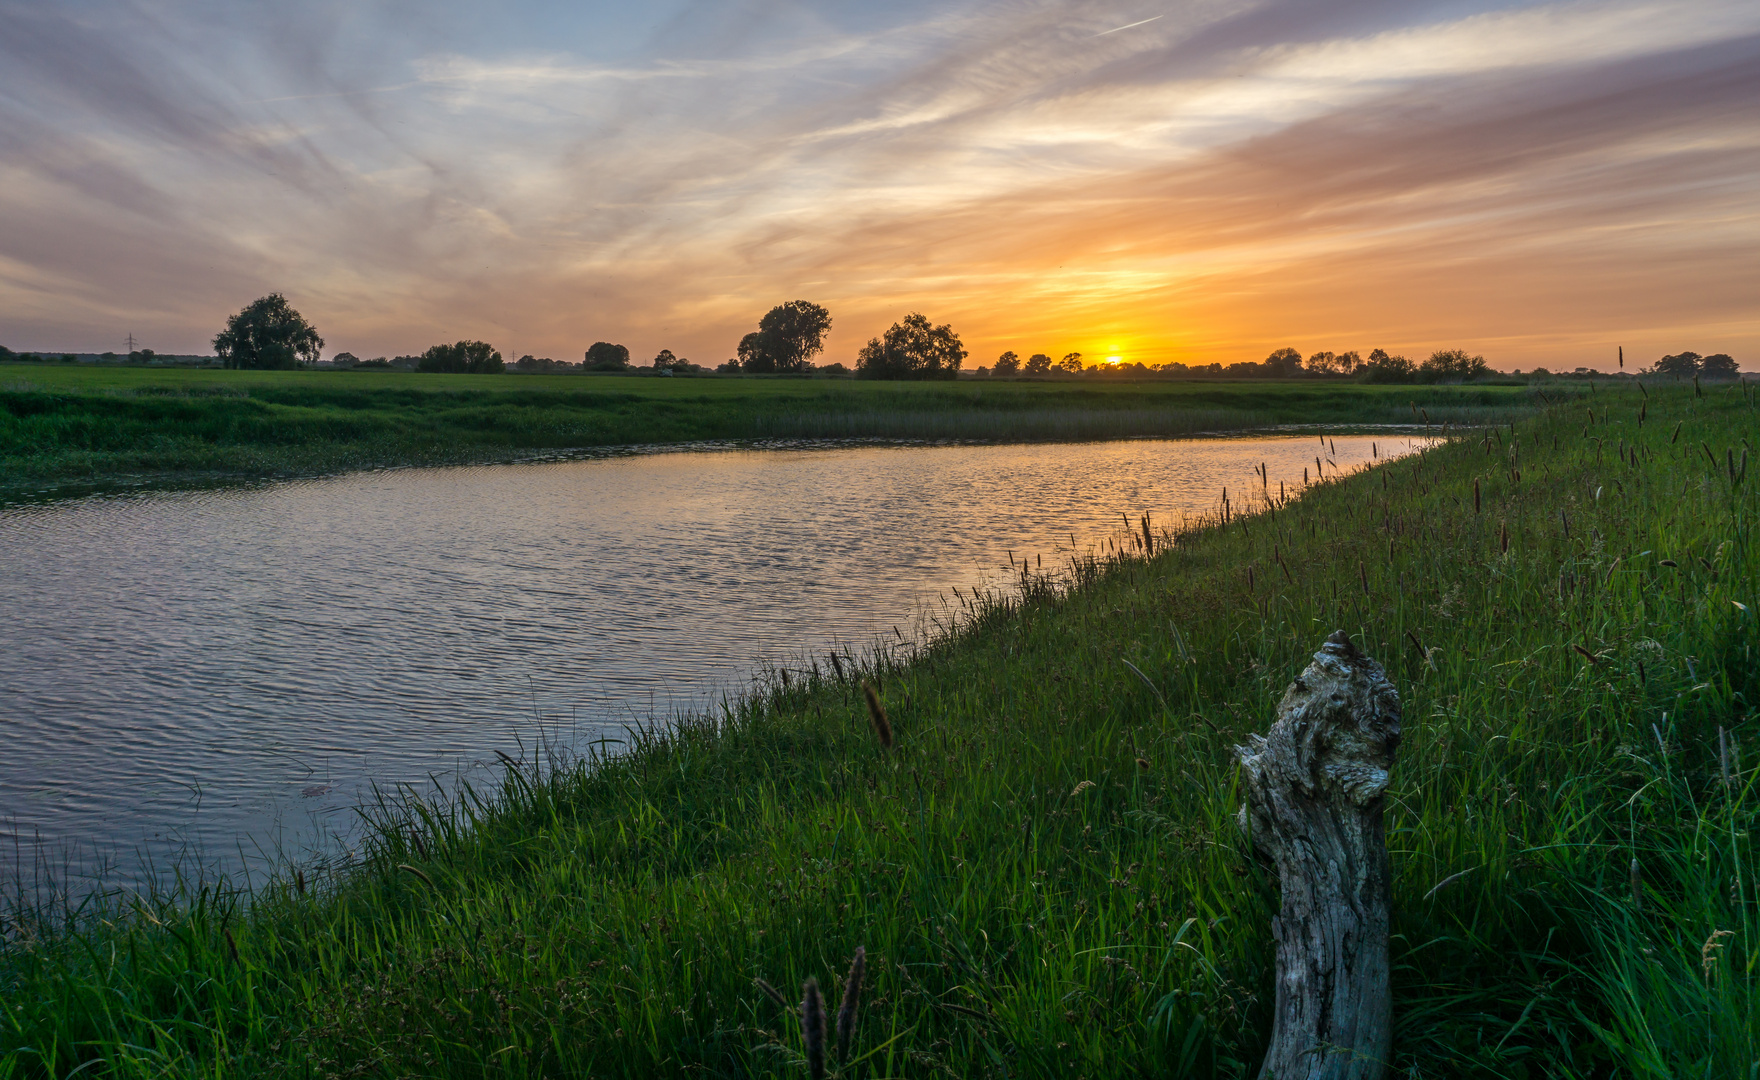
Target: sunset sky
1201, 181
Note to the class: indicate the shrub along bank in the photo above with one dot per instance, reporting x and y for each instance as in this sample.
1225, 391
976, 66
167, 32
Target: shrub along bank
1044, 868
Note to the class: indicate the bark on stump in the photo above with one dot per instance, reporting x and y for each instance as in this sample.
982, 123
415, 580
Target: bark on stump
1313, 807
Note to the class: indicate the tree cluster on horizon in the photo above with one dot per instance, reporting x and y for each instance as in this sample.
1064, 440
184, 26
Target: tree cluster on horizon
1688, 365
462, 358
270, 334
912, 348
786, 340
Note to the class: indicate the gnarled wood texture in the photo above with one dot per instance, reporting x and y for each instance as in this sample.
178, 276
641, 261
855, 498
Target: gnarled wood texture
1314, 785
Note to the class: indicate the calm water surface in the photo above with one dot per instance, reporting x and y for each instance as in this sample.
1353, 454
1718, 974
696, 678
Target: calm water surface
224, 674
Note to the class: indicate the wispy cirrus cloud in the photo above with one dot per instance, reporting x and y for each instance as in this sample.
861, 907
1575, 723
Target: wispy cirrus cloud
1195, 182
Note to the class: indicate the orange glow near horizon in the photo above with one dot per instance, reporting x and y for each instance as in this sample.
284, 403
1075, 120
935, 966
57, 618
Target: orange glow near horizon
1207, 186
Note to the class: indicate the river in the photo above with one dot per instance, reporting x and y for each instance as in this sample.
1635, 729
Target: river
220, 676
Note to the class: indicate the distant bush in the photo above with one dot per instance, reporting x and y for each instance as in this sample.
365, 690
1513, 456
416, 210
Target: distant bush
1283, 364
1452, 365
1382, 368
1686, 365
667, 363
604, 356
462, 358
1719, 366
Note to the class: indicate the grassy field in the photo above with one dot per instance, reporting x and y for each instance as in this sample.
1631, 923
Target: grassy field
62, 425
1044, 869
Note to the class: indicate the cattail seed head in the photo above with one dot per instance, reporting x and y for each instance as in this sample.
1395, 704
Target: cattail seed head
852, 1000
877, 715
813, 1028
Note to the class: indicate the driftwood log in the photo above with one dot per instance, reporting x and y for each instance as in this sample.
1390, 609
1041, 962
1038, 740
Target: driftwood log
1313, 809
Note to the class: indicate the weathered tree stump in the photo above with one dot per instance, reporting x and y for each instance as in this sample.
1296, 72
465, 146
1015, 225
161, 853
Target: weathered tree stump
1313, 808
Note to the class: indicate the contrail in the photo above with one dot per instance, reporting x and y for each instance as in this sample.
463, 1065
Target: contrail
1126, 26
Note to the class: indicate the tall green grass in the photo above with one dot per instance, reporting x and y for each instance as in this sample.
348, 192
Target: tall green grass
61, 426
1044, 869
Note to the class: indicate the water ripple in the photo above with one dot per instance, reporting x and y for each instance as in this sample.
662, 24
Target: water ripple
232, 668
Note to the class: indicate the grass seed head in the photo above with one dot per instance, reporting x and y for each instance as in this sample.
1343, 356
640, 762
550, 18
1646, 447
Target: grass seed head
877, 715
852, 1001
813, 1028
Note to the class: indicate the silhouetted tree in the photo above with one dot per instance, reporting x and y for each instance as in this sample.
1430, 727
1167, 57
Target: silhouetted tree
1006, 364
1682, 365
462, 358
754, 358
1037, 364
912, 349
1382, 368
1322, 363
788, 337
1071, 362
1285, 363
604, 356
794, 333
1449, 364
345, 359
1719, 366
1347, 361
267, 334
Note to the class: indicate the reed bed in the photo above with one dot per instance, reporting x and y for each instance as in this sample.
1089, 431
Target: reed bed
1041, 871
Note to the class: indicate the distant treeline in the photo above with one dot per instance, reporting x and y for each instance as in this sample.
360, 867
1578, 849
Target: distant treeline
138, 358
1444, 365
270, 334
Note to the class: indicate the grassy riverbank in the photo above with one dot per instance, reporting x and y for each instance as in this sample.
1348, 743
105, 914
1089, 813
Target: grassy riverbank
1045, 871
63, 425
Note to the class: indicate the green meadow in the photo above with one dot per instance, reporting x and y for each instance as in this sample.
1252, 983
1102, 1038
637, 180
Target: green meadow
64, 426
1044, 868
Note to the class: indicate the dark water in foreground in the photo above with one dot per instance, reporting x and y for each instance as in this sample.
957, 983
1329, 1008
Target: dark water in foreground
224, 674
